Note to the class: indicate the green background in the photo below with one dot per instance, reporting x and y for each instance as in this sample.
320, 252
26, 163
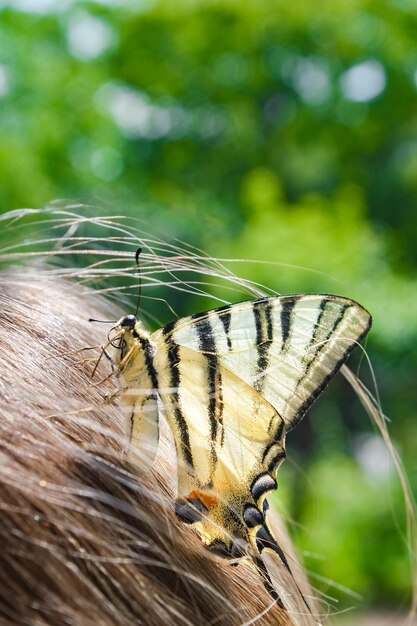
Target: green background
274, 130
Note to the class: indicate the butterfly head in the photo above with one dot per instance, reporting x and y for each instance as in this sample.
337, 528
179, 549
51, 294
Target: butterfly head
127, 322
125, 337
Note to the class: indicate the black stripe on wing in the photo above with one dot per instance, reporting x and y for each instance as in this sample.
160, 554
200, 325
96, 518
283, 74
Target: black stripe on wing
320, 344
264, 325
226, 318
317, 391
173, 354
274, 452
139, 410
207, 343
148, 353
262, 315
287, 309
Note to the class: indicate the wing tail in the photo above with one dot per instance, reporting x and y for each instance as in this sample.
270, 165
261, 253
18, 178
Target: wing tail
266, 541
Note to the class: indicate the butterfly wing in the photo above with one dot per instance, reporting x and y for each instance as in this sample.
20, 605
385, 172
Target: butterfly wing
286, 348
226, 434
233, 381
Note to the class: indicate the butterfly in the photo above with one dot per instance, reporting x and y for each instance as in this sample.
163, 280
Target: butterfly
231, 383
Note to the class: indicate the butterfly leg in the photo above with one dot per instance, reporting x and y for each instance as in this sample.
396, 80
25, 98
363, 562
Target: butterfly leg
111, 397
108, 357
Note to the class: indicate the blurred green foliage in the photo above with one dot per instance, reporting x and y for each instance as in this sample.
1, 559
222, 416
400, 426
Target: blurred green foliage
277, 130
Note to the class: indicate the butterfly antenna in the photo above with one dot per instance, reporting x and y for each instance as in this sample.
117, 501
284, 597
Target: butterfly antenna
137, 254
91, 319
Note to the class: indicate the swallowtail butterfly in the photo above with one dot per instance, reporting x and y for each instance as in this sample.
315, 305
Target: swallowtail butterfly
231, 383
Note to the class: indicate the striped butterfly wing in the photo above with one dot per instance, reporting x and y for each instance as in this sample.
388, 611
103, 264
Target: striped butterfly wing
287, 348
233, 381
225, 434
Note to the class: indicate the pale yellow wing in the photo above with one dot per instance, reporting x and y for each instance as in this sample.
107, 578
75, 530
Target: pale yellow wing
224, 464
286, 348
232, 382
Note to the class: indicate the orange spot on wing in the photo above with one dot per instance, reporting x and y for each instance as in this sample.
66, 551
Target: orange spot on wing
208, 499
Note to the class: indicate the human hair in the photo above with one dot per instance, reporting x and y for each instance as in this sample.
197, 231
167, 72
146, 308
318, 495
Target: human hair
84, 539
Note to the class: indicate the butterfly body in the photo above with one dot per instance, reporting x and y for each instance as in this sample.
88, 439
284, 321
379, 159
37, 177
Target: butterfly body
231, 383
